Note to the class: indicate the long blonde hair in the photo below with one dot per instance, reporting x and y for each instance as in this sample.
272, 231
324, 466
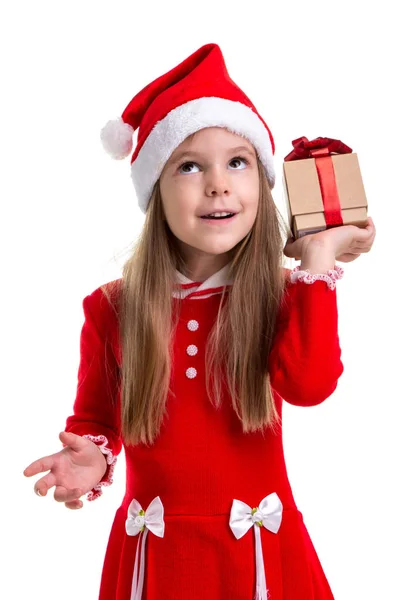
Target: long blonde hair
239, 342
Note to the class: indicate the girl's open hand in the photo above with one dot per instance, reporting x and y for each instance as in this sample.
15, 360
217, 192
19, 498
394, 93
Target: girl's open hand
346, 242
74, 471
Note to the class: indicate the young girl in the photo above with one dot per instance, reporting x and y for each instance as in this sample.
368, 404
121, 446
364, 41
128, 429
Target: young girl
187, 358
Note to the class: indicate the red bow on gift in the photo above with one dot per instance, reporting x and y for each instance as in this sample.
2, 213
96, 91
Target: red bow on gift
321, 149
320, 146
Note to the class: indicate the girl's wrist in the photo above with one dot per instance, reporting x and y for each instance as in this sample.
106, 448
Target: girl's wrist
317, 258
104, 460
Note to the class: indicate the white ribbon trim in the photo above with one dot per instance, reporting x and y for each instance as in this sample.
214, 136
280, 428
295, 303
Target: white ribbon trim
269, 515
307, 277
138, 522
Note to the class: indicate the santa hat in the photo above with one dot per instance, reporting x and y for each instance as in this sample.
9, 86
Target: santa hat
196, 94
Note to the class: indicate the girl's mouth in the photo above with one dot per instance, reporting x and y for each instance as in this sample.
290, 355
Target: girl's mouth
218, 220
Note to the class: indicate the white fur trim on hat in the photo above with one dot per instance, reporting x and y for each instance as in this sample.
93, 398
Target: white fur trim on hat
116, 137
185, 120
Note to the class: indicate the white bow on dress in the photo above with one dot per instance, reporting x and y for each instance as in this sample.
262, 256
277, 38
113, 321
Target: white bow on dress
138, 521
269, 515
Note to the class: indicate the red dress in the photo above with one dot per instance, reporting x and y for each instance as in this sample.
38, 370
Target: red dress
202, 461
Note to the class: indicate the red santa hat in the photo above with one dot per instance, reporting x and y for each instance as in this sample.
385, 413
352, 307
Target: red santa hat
196, 94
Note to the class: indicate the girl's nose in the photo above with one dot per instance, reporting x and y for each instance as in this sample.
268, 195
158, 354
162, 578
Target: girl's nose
216, 183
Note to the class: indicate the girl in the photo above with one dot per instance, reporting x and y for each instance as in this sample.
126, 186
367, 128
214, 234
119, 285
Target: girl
187, 358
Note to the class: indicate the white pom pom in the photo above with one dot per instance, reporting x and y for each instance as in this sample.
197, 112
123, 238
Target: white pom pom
116, 137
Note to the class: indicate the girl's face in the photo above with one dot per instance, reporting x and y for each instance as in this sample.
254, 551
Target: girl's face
213, 171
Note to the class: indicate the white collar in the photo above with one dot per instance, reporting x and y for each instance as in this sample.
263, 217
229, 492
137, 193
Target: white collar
212, 285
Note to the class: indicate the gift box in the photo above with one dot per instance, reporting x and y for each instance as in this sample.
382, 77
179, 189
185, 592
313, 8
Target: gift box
323, 186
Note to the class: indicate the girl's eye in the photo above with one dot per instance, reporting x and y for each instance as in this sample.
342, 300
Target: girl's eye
186, 165
183, 168
238, 158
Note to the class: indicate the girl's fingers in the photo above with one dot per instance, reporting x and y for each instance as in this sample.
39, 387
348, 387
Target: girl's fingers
363, 245
38, 466
370, 228
43, 485
61, 494
74, 504
74, 441
363, 235
346, 258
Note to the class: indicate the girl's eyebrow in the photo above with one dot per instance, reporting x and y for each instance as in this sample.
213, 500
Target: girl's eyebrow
193, 153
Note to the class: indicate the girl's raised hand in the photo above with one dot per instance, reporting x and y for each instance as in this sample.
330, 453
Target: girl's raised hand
346, 242
74, 470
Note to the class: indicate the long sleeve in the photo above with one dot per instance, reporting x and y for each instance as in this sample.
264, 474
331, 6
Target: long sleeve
304, 363
96, 413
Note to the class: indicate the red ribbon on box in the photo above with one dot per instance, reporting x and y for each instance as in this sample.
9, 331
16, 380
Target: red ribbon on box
321, 149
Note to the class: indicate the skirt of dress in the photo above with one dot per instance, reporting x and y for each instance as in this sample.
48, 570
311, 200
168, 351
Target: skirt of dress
199, 558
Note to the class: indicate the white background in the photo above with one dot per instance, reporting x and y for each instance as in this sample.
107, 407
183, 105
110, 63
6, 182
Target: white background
69, 216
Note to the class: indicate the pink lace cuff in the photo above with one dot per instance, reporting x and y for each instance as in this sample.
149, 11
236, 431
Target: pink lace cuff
101, 441
331, 277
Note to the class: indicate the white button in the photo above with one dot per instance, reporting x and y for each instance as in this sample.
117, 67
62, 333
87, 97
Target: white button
191, 372
193, 325
191, 350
